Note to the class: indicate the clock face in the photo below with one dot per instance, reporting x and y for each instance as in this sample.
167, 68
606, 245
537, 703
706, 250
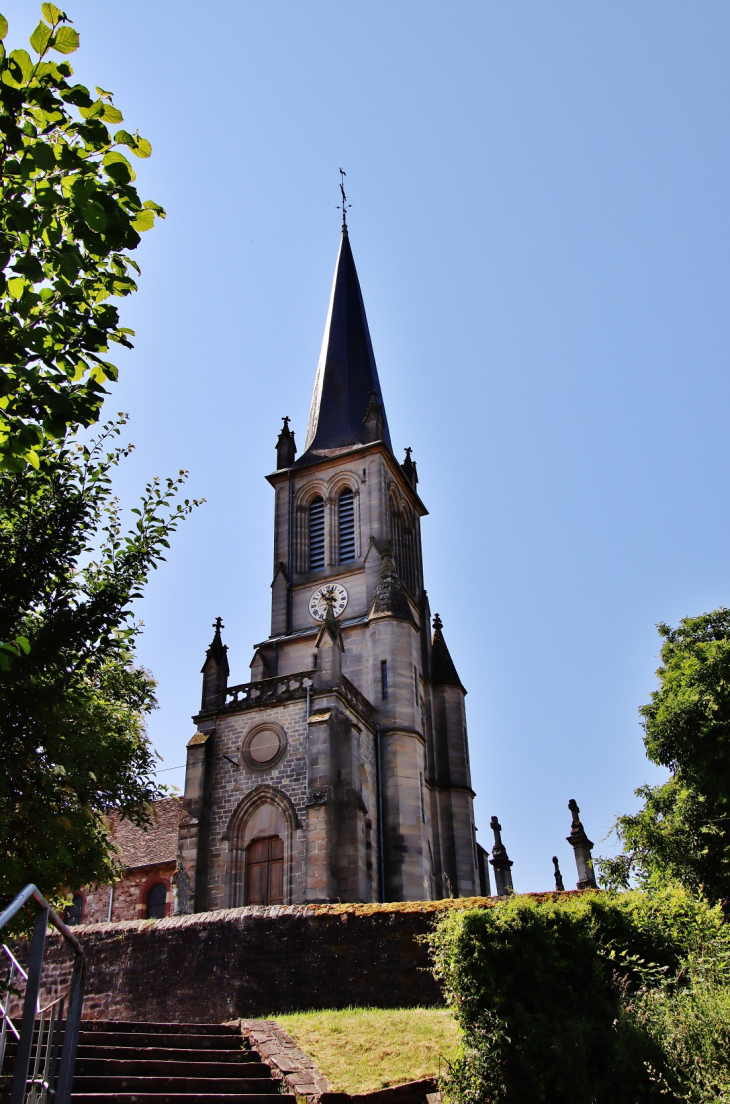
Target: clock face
331, 594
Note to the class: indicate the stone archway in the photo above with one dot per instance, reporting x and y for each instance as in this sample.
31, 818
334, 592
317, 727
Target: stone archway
260, 846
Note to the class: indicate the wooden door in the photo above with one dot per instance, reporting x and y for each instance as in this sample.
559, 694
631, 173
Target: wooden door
265, 871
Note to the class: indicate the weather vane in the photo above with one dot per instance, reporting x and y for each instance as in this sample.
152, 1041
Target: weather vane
344, 205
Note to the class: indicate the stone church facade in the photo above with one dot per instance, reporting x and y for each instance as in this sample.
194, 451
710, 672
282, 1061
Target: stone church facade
340, 771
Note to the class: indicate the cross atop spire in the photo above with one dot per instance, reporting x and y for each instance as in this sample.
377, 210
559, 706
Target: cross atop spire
344, 206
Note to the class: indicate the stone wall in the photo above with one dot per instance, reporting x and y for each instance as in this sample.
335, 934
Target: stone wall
129, 900
255, 961
231, 785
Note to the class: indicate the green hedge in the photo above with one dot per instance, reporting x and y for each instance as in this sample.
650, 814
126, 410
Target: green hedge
619, 997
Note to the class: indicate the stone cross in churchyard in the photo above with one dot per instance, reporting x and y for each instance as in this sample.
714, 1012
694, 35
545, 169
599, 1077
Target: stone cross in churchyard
582, 847
501, 862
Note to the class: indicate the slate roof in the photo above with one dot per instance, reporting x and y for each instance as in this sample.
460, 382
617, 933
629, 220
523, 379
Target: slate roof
155, 844
346, 373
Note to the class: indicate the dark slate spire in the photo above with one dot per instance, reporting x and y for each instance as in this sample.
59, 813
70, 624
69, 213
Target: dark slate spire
346, 373
443, 671
286, 448
390, 596
215, 671
409, 469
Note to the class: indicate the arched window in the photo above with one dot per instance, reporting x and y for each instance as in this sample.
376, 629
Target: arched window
403, 539
346, 526
265, 871
156, 899
75, 910
409, 554
316, 534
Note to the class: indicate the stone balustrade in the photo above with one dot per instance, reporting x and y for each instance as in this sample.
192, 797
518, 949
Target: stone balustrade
290, 688
281, 689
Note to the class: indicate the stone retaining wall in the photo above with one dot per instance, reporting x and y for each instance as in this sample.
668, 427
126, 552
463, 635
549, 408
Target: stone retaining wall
255, 961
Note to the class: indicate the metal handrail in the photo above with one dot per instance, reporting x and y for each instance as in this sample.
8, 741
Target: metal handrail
43, 1082
15, 968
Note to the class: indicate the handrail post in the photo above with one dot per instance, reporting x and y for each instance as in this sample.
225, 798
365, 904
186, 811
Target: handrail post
4, 1028
71, 1035
30, 1005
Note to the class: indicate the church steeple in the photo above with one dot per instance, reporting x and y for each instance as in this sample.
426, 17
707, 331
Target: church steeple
346, 374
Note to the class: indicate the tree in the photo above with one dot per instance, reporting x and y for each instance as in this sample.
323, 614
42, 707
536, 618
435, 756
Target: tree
682, 832
72, 701
69, 217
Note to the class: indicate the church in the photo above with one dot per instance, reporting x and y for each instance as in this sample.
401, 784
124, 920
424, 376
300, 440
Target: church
340, 771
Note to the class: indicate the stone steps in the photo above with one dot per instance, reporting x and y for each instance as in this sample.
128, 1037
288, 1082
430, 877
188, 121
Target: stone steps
169, 1039
169, 1063
182, 1098
143, 1066
172, 1054
203, 1086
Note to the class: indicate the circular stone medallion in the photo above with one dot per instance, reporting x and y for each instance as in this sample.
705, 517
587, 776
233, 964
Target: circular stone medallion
264, 745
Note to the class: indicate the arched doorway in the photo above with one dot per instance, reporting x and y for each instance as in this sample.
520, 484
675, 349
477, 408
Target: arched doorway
265, 871
260, 856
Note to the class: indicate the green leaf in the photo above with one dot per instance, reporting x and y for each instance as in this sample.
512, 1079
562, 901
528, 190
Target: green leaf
78, 95
145, 220
111, 114
30, 267
32, 458
16, 287
41, 37
103, 94
94, 216
65, 40
43, 156
18, 69
142, 147
94, 111
118, 168
51, 13
3, 26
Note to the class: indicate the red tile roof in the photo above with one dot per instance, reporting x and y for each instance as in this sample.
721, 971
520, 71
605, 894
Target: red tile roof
155, 843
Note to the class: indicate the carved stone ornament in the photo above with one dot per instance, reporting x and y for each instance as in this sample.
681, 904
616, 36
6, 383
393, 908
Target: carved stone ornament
264, 745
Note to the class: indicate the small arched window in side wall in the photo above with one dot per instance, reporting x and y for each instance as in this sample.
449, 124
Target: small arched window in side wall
156, 899
346, 525
316, 534
75, 911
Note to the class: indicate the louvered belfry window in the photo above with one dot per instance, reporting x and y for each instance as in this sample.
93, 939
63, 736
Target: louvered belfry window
346, 521
316, 534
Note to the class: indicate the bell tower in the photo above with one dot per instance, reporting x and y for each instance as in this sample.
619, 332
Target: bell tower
346, 755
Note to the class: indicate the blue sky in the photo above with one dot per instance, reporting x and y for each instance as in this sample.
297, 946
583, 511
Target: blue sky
540, 223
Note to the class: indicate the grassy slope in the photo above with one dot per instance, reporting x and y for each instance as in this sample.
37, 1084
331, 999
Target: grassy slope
364, 1049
